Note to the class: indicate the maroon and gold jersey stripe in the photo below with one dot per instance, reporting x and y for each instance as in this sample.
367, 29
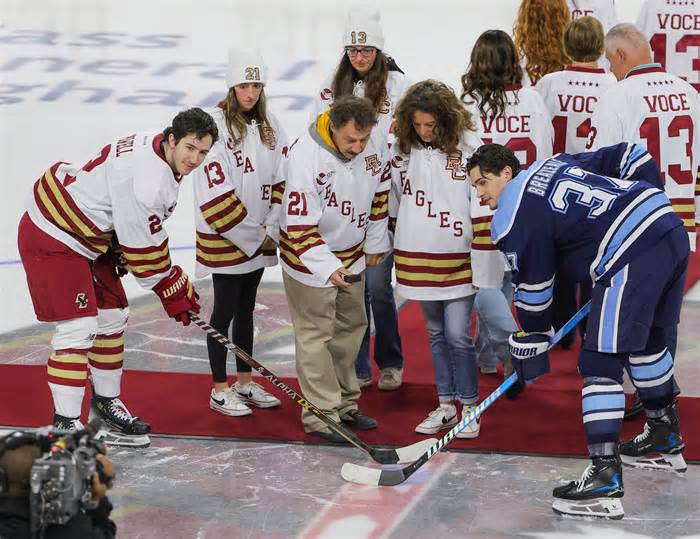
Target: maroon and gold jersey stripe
421, 269
685, 210
482, 234
147, 261
380, 206
215, 251
277, 193
59, 208
224, 212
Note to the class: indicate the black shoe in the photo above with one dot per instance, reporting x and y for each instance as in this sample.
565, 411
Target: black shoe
635, 408
659, 446
116, 415
597, 493
355, 420
61, 422
329, 436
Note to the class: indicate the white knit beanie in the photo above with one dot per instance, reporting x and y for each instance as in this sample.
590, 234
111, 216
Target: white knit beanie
363, 27
245, 66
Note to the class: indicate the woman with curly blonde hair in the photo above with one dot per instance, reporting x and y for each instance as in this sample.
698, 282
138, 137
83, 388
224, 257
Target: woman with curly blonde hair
538, 32
437, 237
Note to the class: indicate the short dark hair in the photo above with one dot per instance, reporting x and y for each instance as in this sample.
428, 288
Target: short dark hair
358, 109
193, 120
493, 158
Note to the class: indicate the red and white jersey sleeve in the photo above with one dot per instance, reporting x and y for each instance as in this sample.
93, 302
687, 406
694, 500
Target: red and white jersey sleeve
662, 113
603, 10
526, 127
332, 211
233, 191
128, 189
571, 97
396, 86
442, 246
673, 29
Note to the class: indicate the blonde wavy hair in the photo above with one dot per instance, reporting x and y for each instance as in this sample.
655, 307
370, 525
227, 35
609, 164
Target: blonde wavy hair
539, 36
438, 99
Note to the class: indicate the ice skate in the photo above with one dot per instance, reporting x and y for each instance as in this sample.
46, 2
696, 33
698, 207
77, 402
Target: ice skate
121, 428
659, 446
67, 423
597, 494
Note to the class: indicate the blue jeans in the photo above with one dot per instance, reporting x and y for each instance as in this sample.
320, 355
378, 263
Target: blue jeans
495, 322
454, 359
379, 294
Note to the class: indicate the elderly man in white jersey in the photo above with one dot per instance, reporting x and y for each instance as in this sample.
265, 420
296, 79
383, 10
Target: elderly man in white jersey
333, 224
84, 228
673, 30
657, 110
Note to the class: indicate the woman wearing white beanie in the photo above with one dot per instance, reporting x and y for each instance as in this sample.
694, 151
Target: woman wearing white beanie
366, 71
238, 191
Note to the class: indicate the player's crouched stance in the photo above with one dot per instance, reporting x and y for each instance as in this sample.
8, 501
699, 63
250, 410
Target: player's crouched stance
85, 228
601, 215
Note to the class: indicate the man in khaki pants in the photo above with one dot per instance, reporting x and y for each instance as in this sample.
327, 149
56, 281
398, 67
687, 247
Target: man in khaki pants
333, 224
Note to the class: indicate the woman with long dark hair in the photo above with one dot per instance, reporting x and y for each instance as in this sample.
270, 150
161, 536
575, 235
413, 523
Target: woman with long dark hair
238, 191
366, 71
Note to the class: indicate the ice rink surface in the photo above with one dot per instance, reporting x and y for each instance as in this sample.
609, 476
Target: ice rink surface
76, 74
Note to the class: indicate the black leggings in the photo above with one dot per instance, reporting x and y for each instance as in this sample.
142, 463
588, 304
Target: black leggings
234, 297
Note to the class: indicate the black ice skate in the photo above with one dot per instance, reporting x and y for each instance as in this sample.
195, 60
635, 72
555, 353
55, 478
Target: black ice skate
659, 446
123, 428
61, 422
596, 494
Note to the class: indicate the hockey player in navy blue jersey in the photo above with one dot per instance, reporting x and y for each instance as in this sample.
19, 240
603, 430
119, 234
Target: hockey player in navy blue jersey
601, 215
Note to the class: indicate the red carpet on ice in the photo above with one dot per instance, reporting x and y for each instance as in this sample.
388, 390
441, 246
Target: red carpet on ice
545, 419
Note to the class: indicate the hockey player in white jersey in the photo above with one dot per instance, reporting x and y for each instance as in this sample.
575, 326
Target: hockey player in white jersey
505, 112
571, 95
238, 191
84, 227
366, 71
333, 224
655, 109
673, 30
603, 10
442, 246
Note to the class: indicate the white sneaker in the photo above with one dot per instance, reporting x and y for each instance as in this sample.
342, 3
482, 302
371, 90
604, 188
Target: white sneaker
253, 393
443, 417
228, 403
472, 429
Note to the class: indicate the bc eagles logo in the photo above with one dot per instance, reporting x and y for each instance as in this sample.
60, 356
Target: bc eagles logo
81, 300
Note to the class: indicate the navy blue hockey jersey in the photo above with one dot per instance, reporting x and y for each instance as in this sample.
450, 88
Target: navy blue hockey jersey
586, 215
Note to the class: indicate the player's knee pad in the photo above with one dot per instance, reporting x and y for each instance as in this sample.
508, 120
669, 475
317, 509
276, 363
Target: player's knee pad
76, 333
111, 321
601, 365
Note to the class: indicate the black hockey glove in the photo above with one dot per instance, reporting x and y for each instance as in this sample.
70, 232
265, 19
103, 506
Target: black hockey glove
530, 357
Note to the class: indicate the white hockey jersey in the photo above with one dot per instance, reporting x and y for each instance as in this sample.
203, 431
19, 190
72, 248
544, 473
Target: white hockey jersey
442, 234
603, 10
526, 127
128, 189
571, 96
396, 86
662, 113
237, 192
334, 210
673, 29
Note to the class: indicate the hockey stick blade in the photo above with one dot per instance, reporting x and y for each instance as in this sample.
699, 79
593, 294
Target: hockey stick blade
378, 477
382, 456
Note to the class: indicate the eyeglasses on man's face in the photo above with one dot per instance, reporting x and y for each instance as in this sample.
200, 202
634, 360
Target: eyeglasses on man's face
365, 52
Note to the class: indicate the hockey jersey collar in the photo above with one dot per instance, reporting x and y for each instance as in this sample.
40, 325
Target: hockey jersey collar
160, 152
643, 69
583, 69
509, 202
320, 131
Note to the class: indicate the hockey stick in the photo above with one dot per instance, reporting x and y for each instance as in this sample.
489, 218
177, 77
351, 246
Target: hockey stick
382, 456
375, 476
